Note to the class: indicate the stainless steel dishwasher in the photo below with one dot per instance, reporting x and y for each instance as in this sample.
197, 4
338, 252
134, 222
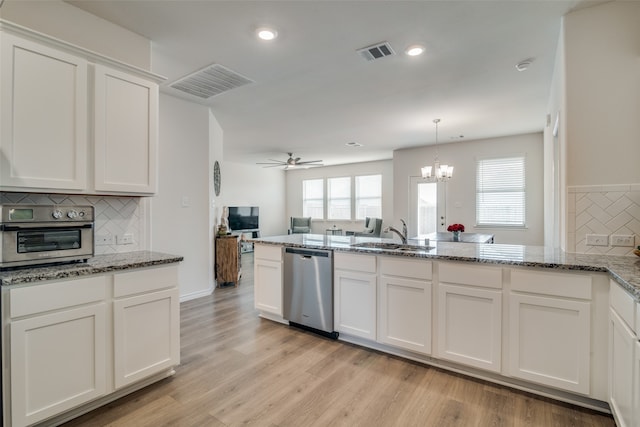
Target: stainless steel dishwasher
308, 289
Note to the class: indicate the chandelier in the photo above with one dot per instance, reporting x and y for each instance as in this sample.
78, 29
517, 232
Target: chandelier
437, 172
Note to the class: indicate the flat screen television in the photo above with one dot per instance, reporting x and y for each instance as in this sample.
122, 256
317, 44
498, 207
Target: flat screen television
244, 218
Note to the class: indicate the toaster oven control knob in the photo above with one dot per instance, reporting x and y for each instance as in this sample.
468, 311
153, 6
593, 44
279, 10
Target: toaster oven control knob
57, 214
72, 214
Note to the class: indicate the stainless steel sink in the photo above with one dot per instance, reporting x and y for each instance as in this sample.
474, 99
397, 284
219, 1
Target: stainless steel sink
392, 246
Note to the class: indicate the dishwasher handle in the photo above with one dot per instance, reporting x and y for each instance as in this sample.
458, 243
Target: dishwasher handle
308, 253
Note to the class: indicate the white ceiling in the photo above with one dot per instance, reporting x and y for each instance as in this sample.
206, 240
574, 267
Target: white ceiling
313, 93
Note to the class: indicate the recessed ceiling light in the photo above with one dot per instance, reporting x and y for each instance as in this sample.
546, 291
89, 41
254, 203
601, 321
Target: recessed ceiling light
353, 144
414, 50
266, 33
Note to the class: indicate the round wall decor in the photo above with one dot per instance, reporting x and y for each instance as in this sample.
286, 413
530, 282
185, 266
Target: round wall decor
216, 178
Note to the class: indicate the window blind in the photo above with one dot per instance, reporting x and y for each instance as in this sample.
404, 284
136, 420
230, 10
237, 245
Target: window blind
501, 192
313, 198
368, 196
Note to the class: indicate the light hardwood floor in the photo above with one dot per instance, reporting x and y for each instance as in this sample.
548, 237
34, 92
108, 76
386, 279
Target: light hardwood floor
238, 369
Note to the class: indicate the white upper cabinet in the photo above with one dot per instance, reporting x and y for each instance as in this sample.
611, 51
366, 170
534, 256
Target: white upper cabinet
43, 139
61, 131
125, 132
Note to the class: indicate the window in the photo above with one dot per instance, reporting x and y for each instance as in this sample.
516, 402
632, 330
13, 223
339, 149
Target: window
339, 198
500, 192
313, 198
368, 196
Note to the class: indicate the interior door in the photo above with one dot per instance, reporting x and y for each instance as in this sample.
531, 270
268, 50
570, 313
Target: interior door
426, 206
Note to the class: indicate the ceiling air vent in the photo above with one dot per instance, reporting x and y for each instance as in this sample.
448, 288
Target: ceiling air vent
210, 81
376, 51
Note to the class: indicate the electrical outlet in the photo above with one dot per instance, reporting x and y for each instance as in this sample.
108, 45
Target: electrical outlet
597, 240
623, 240
103, 239
125, 239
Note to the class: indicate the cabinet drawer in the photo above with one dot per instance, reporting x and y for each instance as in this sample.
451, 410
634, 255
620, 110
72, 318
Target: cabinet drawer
272, 253
622, 302
570, 285
471, 274
53, 296
364, 263
416, 269
147, 280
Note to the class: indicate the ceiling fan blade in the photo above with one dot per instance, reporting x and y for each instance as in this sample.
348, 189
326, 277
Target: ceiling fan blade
271, 165
308, 161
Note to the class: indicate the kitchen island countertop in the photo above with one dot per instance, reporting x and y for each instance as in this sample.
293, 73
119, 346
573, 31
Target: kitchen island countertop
624, 270
96, 265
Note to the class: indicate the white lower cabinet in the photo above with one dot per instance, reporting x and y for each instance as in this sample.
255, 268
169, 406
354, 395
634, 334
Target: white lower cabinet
267, 286
470, 315
621, 347
57, 362
146, 330
404, 301
550, 334
57, 348
470, 326
636, 384
355, 289
624, 359
57, 354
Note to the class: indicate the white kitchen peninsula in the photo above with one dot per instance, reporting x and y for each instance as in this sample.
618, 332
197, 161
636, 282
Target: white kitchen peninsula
526, 317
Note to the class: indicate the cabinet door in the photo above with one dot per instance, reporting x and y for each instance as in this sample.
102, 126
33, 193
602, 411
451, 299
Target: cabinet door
355, 303
549, 341
227, 260
267, 278
57, 362
621, 363
126, 132
405, 313
470, 326
43, 120
636, 385
146, 331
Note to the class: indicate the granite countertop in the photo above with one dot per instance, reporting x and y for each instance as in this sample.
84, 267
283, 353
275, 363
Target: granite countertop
96, 265
624, 270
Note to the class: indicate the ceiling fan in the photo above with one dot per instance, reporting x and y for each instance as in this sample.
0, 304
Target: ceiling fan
290, 163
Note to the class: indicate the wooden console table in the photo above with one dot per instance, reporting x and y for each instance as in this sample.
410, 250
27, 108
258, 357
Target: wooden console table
228, 267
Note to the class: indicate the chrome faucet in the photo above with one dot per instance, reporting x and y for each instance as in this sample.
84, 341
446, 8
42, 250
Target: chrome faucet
403, 235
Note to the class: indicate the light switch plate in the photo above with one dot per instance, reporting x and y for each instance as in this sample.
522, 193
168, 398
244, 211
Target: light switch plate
597, 240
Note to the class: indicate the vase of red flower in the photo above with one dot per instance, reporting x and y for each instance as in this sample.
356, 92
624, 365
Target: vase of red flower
456, 229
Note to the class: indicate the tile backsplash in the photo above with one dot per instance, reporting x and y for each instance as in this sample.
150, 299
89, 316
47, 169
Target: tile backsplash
610, 210
114, 216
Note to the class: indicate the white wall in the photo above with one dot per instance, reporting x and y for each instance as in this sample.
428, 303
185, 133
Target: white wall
251, 185
73, 25
602, 49
294, 192
555, 159
460, 191
601, 194
180, 211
